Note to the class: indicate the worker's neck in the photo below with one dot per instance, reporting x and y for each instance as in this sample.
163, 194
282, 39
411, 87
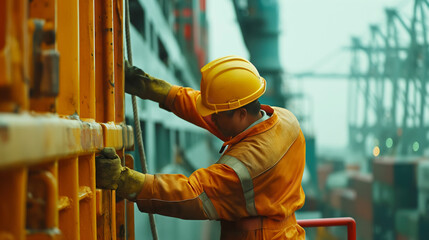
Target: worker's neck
251, 119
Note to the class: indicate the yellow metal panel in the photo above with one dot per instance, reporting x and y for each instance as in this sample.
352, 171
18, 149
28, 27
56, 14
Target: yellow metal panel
68, 46
87, 75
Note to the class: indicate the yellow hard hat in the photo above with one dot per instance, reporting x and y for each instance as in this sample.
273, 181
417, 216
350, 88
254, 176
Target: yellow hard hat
228, 83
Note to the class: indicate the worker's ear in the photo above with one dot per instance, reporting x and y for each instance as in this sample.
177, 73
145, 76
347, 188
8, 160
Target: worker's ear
242, 113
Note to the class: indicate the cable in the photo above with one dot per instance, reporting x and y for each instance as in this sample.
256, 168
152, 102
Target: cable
136, 115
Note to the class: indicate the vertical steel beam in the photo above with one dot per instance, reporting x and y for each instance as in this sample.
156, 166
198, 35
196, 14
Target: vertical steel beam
12, 208
45, 10
68, 46
68, 184
119, 103
105, 103
13, 56
104, 69
68, 104
130, 229
87, 59
119, 60
5, 51
87, 215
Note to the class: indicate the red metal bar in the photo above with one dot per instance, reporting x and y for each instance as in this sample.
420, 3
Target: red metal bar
326, 222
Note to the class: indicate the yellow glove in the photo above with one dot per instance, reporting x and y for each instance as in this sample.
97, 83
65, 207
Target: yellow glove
111, 175
141, 84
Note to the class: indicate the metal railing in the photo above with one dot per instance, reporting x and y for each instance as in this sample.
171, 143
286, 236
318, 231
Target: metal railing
328, 222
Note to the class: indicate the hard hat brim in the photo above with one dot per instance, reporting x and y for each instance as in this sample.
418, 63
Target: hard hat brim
201, 109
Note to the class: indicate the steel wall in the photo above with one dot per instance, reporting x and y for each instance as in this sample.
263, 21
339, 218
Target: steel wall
61, 101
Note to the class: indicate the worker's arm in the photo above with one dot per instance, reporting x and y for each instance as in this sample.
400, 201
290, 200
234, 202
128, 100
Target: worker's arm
181, 101
209, 193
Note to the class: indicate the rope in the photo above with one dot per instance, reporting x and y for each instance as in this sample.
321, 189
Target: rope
136, 115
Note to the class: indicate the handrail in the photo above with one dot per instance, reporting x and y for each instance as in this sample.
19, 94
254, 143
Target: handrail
327, 222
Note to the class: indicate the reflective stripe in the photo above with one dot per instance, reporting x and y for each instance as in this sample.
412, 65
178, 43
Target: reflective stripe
208, 207
245, 179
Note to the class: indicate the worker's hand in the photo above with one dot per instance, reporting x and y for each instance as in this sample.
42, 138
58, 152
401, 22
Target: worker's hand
108, 169
141, 84
111, 175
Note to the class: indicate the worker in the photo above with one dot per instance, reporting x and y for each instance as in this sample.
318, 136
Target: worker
254, 188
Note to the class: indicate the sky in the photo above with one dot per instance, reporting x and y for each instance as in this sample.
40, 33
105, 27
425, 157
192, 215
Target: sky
314, 36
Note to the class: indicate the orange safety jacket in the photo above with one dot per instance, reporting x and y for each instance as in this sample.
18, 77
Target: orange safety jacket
255, 187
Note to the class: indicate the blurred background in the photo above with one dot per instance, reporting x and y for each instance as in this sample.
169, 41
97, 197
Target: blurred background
355, 73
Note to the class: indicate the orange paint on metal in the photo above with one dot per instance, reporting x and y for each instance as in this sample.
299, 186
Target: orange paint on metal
84, 193
12, 207
41, 9
64, 202
43, 104
5, 58
87, 207
98, 49
13, 55
129, 162
119, 61
120, 219
106, 228
91, 137
120, 206
104, 75
87, 59
42, 183
68, 187
68, 46
19, 55
112, 135
98, 206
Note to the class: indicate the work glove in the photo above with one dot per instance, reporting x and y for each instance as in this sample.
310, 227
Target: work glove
141, 84
110, 174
